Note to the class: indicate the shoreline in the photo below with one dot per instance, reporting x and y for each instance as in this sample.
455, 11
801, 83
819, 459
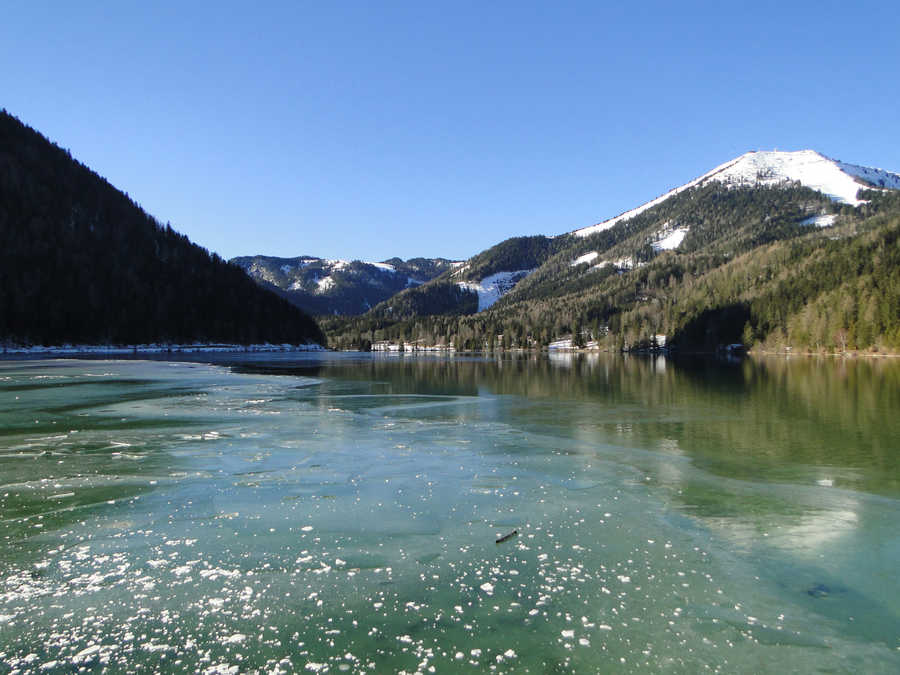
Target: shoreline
156, 348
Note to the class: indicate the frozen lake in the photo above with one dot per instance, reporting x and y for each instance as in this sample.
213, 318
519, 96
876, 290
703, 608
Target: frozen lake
336, 513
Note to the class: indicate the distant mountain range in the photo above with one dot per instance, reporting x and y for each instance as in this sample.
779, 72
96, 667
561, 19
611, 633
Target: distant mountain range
343, 287
321, 286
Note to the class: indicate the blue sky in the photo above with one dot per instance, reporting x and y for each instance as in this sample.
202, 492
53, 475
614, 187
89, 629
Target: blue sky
368, 130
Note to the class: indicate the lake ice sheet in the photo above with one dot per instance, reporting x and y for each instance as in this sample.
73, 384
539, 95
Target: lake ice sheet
176, 516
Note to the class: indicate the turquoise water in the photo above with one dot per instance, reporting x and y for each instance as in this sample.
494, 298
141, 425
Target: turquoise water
340, 514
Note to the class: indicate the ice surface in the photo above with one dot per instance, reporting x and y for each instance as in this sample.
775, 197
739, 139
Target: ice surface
348, 523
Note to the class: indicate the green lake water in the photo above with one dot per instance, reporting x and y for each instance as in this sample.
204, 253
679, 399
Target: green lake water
340, 513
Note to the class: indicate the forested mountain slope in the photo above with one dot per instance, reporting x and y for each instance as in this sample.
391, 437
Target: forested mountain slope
81, 262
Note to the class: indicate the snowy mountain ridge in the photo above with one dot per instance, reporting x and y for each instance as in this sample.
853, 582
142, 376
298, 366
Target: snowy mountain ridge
838, 180
329, 286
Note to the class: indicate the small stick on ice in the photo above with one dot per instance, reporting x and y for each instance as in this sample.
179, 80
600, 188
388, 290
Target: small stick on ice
505, 537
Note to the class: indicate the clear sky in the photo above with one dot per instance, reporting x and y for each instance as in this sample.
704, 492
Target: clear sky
373, 129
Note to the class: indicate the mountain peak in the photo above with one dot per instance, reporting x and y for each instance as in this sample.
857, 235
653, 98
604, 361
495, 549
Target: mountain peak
838, 180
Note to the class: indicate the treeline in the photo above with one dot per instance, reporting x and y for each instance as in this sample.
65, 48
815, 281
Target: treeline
81, 262
512, 255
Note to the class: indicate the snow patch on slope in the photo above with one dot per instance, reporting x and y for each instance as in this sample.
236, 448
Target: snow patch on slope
586, 258
492, 288
820, 221
837, 180
324, 284
459, 268
383, 266
671, 241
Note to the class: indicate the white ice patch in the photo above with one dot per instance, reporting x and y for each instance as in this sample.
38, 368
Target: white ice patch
492, 288
586, 258
820, 221
671, 241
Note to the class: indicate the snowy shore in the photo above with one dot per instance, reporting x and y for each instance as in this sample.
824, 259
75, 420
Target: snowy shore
153, 348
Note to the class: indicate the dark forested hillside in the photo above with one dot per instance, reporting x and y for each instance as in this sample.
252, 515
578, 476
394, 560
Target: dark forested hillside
81, 262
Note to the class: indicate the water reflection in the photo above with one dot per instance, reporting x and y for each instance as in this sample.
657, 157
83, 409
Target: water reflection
808, 420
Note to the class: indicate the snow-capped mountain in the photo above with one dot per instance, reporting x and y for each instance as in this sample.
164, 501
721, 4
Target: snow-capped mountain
839, 180
324, 286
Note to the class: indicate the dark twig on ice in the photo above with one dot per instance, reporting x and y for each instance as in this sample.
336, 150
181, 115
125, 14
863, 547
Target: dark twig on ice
505, 537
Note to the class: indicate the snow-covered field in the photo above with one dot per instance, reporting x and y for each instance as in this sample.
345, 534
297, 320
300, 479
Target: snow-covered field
492, 288
836, 179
